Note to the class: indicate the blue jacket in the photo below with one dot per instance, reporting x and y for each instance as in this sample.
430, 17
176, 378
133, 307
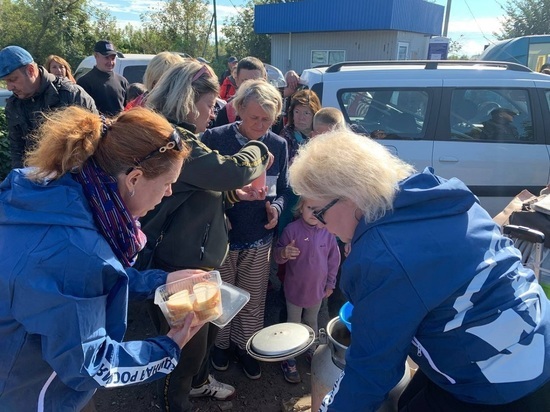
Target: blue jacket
435, 280
63, 302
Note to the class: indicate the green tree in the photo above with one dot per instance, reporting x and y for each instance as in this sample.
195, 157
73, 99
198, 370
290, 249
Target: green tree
525, 17
241, 40
45, 26
177, 25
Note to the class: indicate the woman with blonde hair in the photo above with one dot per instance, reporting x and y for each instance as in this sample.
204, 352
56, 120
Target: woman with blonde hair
252, 223
431, 277
156, 67
197, 234
68, 239
59, 67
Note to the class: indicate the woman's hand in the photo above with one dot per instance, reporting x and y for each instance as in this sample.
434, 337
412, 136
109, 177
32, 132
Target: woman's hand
250, 193
328, 292
290, 251
183, 274
272, 216
183, 333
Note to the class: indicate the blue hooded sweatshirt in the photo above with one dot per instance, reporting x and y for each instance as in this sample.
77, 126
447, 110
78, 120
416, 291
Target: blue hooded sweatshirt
435, 280
63, 302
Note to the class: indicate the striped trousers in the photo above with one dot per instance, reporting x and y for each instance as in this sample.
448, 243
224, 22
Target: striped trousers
249, 270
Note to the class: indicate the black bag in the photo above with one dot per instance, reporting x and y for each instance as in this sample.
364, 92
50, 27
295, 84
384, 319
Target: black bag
146, 256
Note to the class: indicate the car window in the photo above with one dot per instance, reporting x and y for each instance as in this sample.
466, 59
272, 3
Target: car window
547, 94
491, 115
134, 74
386, 113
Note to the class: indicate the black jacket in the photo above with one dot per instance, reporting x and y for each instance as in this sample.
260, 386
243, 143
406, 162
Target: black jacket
108, 90
24, 115
197, 237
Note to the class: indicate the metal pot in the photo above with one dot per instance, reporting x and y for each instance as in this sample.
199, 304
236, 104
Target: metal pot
288, 340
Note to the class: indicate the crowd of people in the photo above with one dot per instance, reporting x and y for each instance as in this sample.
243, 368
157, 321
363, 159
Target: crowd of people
117, 189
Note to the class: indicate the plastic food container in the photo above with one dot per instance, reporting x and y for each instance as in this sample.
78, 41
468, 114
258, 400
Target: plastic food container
233, 300
200, 294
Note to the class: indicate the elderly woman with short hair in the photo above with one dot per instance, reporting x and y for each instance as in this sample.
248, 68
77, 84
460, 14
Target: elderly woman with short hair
431, 277
258, 104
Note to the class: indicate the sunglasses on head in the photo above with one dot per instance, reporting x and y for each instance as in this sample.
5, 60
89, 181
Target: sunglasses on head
174, 143
318, 214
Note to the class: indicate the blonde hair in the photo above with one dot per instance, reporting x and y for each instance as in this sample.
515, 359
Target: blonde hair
266, 95
343, 165
329, 116
158, 66
177, 91
53, 58
70, 136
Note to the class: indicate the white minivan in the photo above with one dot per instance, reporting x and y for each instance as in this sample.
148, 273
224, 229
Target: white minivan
131, 66
483, 122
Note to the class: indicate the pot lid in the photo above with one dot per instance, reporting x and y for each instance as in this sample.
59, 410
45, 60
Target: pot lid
280, 341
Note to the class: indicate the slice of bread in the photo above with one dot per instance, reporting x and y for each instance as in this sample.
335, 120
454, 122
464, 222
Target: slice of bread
179, 304
207, 296
209, 314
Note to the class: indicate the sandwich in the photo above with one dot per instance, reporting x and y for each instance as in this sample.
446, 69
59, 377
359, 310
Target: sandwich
179, 305
207, 301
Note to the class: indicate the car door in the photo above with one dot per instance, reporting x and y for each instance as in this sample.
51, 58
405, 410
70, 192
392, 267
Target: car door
498, 165
400, 116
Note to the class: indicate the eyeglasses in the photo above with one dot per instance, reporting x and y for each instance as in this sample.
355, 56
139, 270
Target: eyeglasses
318, 214
174, 143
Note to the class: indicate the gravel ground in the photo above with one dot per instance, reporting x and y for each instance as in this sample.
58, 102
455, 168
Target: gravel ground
266, 394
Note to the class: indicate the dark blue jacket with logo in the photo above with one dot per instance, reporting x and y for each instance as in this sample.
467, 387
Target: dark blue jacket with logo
63, 302
435, 280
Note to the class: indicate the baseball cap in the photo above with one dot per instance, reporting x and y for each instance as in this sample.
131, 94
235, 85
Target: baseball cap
232, 59
12, 58
105, 47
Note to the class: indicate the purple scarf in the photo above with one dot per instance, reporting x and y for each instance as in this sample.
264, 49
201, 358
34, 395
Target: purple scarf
112, 217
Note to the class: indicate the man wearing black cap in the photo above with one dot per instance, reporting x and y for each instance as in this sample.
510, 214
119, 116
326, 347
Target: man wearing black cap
106, 87
500, 126
231, 64
35, 91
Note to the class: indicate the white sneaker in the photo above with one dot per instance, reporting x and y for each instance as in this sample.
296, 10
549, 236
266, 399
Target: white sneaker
214, 389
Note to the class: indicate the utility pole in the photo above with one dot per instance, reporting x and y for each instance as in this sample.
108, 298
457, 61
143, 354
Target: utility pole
216, 29
447, 14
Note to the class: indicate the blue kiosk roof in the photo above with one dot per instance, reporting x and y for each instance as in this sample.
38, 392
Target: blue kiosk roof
306, 16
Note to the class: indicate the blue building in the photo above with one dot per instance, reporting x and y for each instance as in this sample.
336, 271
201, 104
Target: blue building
310, 33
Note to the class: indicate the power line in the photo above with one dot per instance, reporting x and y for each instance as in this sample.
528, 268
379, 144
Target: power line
477, 24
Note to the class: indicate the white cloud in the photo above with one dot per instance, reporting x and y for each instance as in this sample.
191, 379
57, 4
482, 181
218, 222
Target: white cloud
484, 25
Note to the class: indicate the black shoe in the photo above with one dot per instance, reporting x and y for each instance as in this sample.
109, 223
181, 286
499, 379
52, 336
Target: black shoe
219, 359
251, 366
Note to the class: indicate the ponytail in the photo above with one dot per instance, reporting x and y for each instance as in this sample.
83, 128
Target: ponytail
65, 140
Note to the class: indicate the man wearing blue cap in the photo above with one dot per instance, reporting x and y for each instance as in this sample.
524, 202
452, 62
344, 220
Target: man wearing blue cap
106, 87
34, 91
